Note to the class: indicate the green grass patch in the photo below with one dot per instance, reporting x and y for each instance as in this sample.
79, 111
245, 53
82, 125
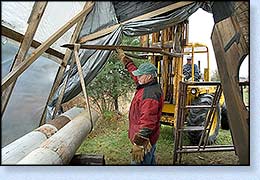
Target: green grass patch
110, 138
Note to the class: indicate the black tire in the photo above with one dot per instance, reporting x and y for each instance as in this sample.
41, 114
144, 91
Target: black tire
224, 118
197, 117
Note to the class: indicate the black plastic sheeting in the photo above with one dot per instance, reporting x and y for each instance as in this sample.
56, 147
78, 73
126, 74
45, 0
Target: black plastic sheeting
161, 22
103, 15
126, 10
222, 10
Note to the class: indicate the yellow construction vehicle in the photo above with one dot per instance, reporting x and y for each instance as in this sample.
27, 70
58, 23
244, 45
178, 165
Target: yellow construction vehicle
170, 74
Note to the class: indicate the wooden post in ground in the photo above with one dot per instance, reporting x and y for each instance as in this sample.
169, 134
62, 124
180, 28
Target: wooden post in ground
14, 152
61, 147
230, 49
34, 20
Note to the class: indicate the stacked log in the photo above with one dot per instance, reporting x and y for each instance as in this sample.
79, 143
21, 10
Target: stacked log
61, 147
18, 149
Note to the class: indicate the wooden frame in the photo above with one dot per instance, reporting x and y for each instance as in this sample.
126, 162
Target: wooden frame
7, 32
12, 76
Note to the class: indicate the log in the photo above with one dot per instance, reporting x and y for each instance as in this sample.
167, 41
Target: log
14, 152
61, 147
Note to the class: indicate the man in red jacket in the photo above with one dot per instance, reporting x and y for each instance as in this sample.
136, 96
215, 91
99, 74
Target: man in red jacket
145, 111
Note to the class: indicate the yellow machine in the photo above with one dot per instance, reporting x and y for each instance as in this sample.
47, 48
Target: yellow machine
170, 74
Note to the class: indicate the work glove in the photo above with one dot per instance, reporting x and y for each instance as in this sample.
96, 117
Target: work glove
123, 58
141, 146
137, 153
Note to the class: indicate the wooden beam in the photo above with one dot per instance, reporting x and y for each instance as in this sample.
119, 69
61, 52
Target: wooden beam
228, 63
7, 80
34, 20
160, 11
59, 75
125, 48
7, 32
62, 91
157, 12
98, 34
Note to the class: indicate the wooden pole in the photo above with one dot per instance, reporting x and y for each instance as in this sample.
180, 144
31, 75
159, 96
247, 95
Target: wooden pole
125, 48
63, 88
61, 147
34, 20
7, 80
18, 149
61, 70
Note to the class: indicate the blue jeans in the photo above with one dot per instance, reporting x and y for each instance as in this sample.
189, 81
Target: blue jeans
149, 158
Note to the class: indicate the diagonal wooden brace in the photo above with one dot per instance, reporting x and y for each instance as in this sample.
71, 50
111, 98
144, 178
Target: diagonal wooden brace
82, 82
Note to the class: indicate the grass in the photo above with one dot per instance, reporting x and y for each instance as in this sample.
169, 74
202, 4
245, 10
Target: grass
110, 138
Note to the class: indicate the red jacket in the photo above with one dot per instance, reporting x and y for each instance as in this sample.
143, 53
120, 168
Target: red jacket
146, 108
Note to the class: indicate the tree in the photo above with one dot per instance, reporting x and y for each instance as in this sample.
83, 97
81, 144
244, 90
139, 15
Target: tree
113, 81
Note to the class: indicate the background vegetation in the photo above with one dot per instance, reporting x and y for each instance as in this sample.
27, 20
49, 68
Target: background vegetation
113, 82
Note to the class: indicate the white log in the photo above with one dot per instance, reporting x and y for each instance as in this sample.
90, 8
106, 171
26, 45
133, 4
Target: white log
73, 112
15, 151
42, 156
64, 143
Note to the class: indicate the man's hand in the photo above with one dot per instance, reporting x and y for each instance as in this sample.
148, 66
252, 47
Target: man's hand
141, 146
121, 55
138, 153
